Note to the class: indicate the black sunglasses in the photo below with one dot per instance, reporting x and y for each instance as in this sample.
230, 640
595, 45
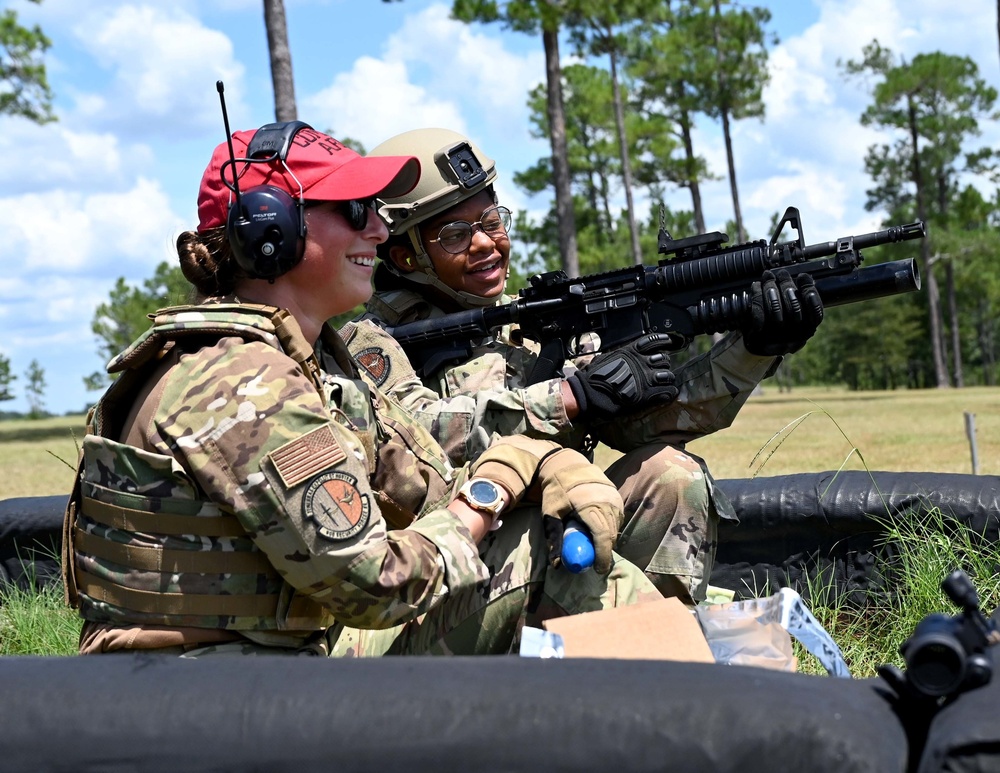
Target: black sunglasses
354, 211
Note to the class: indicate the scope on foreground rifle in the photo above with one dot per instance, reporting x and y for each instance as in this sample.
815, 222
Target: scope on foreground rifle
703, 288
947, 655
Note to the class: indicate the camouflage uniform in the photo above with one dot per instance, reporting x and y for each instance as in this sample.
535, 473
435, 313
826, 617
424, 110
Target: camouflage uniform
238, 491
672, 503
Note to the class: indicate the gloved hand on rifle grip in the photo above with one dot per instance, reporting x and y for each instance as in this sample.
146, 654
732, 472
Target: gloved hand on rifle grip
572, 487
784, 313
632, 378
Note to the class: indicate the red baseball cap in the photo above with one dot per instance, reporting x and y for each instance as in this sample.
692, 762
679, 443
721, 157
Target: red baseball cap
326, 169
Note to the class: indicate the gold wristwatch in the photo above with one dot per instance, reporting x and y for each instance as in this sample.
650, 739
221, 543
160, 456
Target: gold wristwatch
482, 494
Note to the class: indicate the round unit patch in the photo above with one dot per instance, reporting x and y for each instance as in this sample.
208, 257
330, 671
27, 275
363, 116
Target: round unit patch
376, 362
332, 501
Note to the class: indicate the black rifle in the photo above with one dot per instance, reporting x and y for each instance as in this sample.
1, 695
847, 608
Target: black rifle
703, 288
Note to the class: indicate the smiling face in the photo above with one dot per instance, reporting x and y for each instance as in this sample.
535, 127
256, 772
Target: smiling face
481, 269
335, 273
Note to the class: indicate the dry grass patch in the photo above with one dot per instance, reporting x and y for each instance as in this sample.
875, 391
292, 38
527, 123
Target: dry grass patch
899, 431
38, 457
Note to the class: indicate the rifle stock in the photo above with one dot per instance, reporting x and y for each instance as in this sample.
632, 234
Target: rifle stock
704, 288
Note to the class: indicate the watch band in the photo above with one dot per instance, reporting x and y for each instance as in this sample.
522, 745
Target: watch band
484, 495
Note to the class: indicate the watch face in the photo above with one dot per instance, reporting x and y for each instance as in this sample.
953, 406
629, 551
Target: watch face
483, 491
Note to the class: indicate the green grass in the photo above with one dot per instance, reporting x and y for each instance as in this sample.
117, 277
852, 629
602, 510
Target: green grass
38, 457
927, 546
905, 430
37, 622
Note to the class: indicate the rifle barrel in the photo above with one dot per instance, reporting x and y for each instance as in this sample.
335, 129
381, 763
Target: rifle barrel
891, 235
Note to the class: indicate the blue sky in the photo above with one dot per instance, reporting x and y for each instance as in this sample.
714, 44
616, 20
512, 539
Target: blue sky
103, 193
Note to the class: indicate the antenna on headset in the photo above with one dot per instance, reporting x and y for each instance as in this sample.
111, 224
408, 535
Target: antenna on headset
232, 156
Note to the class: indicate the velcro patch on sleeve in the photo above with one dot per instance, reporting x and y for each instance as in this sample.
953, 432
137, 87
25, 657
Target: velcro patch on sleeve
308, 455
335, 506
376, 362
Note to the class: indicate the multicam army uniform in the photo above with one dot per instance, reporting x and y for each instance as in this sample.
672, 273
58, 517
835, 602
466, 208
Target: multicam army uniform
672, 505
236, 490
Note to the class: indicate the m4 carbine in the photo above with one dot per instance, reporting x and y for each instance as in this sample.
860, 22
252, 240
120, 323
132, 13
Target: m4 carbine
700, 287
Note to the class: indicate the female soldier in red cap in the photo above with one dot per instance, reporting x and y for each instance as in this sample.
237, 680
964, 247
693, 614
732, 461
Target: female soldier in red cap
241, 490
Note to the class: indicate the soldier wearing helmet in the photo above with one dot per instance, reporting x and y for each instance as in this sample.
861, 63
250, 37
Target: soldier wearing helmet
449, 249
459, 172
241, 490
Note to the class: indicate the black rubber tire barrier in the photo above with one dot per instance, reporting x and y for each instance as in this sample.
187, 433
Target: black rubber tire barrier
155, 713
818, 528
794, 530
30, 535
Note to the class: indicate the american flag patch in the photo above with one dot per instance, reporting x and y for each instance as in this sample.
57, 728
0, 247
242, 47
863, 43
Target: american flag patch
307, 455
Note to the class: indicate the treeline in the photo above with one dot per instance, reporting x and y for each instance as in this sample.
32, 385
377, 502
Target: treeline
34, 389
620, 126
652, 69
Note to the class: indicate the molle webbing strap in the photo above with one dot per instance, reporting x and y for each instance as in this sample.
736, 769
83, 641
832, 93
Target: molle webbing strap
127, 519
337, 348
154, 559
70, 594
155, 602
295, 345
395, 307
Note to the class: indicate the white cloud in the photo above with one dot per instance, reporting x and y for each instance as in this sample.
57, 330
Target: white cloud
468, 64
164, 65
793, 84
463, 79
38, 158
73, 232
810, 150
376, 100
96, 195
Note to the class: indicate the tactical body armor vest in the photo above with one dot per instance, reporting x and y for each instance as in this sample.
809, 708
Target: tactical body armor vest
141, 543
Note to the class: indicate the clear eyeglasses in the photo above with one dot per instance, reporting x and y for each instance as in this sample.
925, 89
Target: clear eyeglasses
456, 237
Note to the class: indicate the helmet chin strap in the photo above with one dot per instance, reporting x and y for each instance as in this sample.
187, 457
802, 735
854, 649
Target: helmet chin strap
424, 274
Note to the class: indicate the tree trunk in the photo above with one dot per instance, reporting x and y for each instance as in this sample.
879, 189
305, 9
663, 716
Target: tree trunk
930, 281
740, 231
692, 181
565, 216
281, 60
590, 186
626, 164
956, 334
737, 213
985, 327
604, 212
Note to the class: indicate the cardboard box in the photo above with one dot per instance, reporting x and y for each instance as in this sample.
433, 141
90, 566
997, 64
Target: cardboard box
657, 630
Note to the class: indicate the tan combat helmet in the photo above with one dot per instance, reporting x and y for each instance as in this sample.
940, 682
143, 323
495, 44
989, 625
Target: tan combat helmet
452, 169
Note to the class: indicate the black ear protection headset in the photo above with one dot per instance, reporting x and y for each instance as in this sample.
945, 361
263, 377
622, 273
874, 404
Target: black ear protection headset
266, 226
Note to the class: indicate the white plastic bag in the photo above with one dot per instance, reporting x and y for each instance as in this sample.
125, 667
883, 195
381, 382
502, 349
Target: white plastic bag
757, 632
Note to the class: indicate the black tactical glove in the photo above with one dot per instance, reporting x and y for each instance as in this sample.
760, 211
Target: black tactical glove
625, 380
784, 313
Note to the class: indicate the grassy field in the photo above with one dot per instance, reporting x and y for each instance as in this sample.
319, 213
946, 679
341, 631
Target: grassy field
807, 430
815, 429
38, 458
